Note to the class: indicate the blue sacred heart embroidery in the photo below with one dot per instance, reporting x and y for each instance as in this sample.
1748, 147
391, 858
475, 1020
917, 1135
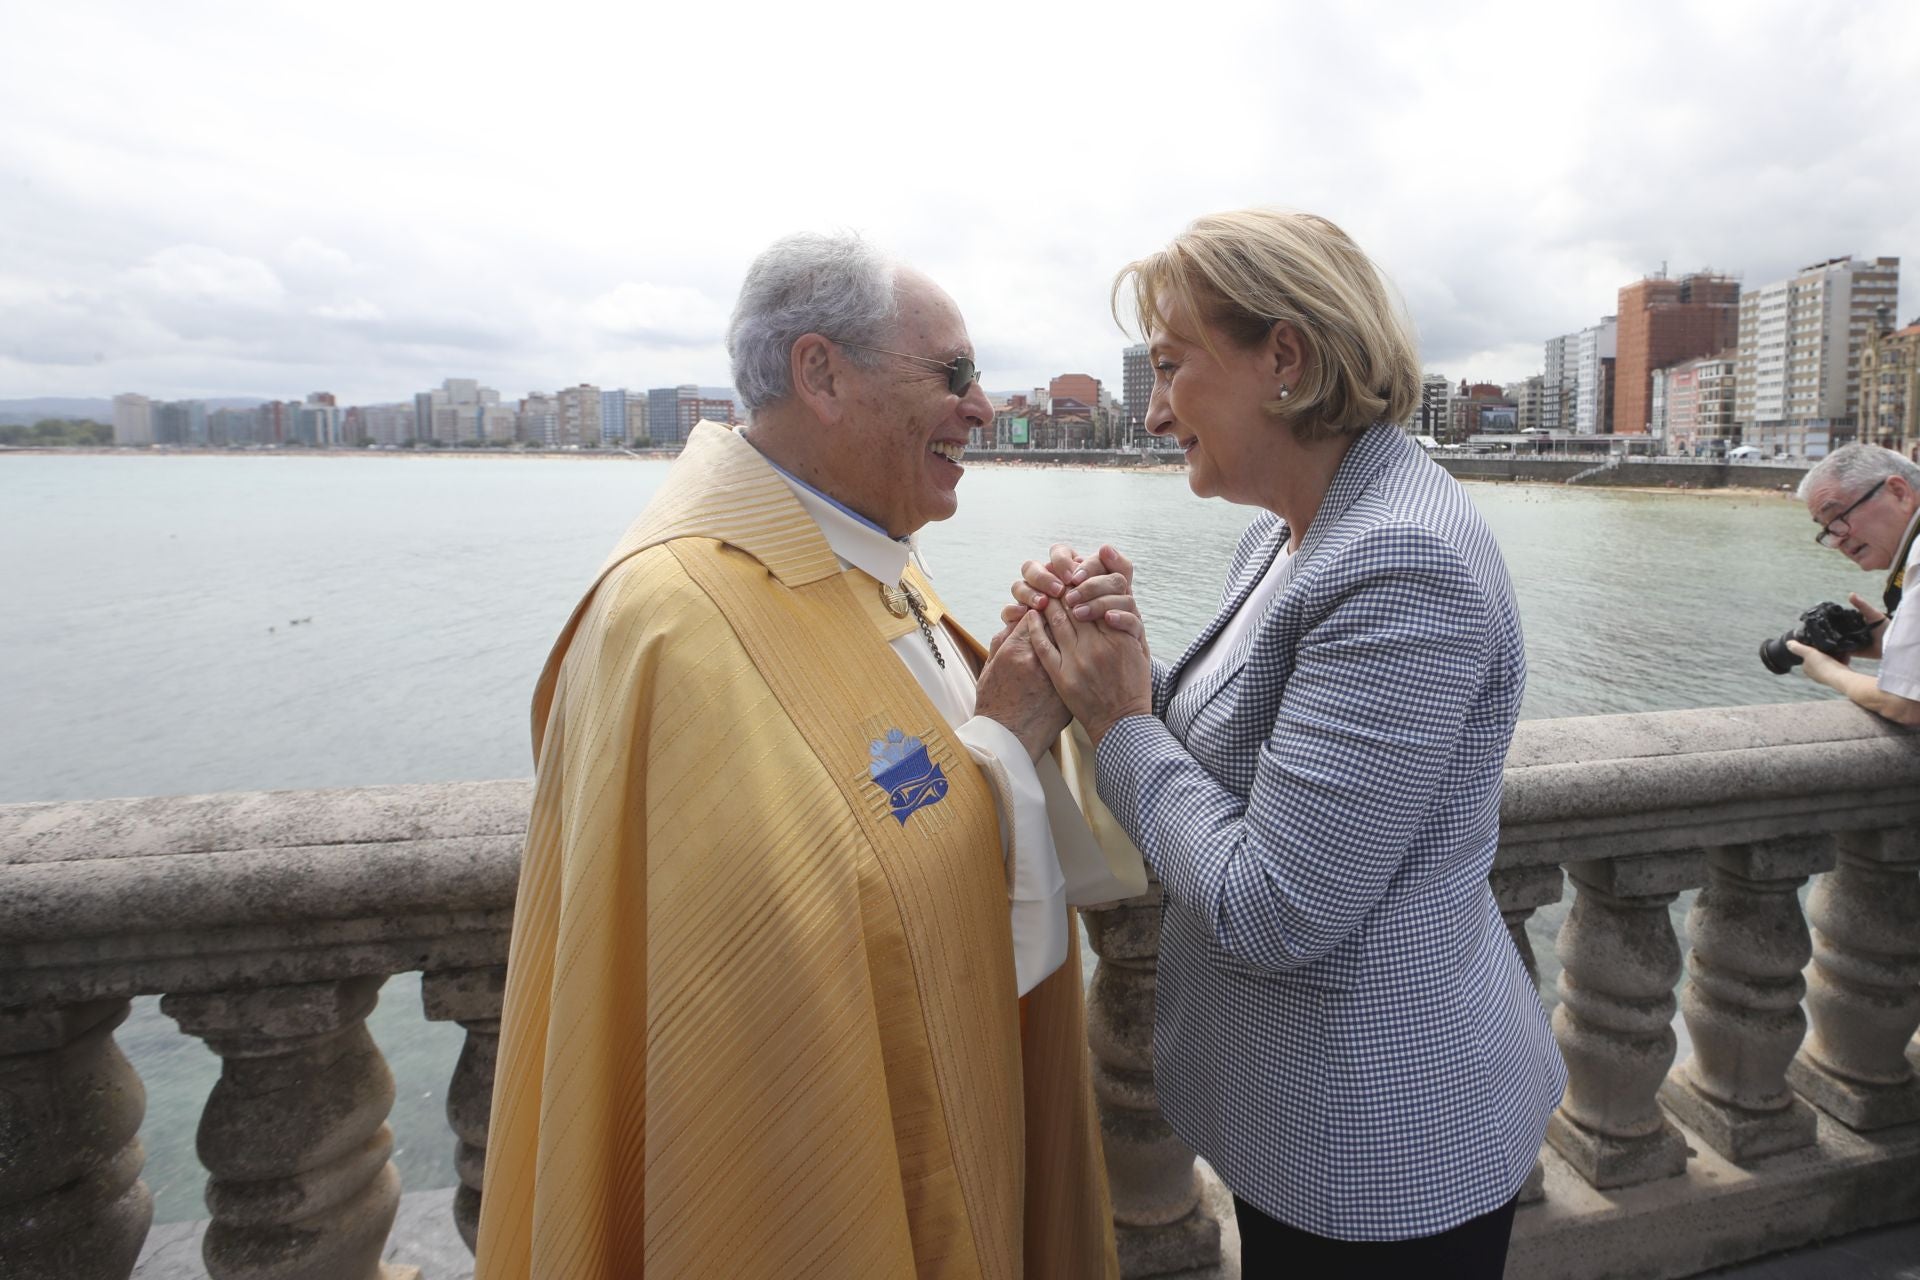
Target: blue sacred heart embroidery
900, 767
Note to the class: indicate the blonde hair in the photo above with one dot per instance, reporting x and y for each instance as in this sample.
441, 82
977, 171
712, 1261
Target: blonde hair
1243, 272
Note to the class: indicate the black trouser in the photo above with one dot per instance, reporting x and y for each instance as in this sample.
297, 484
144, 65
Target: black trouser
1474, 1250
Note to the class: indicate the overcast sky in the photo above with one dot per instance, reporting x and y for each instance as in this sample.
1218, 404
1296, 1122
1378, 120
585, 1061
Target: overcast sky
229, 199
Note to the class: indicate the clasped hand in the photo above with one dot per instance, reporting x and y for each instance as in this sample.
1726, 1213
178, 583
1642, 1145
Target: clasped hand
1077, 618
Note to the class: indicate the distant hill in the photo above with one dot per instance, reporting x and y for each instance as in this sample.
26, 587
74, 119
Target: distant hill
89, 409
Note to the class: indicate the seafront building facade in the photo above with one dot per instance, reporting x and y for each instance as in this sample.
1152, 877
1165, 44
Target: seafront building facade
1800, 345
1890, 387
1594, 378
1692, 403
1558, 383
1434, 417
1576, 388
673, 411
1479, 408
1661, 323
132, 419
1136, 386
623, 417
577, 416
388, 425
1528, 396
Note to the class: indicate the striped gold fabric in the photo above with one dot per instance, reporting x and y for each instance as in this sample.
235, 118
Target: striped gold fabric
754, 1025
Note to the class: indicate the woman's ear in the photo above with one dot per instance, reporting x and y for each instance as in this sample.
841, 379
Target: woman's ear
1289, 355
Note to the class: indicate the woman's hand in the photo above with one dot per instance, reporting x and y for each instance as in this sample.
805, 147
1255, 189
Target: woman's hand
1094, 588
1101, 670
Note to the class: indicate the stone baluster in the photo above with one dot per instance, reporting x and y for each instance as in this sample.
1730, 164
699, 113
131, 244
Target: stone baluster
471, 997
72, 1205
1863, 988
1521, 891
1619, 962
1748, 942
1160, 1222
294, 1136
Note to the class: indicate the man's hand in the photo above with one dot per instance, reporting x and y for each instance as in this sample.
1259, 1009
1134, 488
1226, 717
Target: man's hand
1101, 671
1876, 623
1821, 668
1014, 691
1863, 689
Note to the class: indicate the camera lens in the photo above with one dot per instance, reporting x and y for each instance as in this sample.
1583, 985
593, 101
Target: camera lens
1776, 657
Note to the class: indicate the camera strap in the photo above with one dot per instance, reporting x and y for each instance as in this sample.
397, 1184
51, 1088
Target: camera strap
1897, 579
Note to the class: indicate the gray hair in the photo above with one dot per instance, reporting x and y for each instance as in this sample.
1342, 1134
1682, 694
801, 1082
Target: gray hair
1855, 468
837, 285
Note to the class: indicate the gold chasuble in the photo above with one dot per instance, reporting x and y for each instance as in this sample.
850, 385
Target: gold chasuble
760, 1011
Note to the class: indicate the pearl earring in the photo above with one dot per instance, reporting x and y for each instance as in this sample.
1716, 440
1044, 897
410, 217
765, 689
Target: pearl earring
1284, 392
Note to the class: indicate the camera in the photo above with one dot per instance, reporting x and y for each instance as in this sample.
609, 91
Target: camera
1831, 628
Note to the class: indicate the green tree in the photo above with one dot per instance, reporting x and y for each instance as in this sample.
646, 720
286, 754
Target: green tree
58, 433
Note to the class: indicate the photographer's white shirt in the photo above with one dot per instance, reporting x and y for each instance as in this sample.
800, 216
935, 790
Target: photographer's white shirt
1900, 648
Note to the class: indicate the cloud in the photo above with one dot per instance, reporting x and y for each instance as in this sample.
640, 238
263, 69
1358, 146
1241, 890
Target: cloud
352, 310
666, 315
226, 229
310, 255
199, 273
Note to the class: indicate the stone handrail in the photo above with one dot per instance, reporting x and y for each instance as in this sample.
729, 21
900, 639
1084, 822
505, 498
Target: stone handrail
267, 922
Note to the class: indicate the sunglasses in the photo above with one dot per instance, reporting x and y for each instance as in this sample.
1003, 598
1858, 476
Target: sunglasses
961, 371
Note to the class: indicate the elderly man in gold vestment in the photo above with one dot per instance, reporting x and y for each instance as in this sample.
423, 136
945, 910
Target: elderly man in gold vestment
793, 988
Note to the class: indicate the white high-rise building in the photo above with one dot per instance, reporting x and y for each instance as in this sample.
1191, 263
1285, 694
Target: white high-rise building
1436, 401
1797, 384
455, 412
1557, 383
132, 419
1596, 345
317, 421
388, 424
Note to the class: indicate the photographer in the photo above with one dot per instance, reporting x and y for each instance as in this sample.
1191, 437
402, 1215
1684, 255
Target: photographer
1866, 501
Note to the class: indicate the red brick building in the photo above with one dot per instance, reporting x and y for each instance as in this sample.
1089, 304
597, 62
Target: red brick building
1663, 322
1479, 408
1075, 386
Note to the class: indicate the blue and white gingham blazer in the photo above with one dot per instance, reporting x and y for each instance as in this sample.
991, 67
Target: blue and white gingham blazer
1343, 1027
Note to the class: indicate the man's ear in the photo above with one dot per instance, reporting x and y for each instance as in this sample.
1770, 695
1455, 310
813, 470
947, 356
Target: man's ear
819, 376
1903, 490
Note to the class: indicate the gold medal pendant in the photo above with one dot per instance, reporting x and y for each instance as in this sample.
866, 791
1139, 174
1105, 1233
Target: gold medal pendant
904, 600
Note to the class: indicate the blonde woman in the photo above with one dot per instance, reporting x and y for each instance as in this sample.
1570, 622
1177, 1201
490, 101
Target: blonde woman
1343, 1027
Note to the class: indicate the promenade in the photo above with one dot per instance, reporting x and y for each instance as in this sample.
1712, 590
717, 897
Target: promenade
268, 922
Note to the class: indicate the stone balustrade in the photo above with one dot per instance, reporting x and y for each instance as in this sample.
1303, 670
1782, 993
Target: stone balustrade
268, 922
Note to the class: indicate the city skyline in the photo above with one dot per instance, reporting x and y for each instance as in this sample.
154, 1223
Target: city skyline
358, 226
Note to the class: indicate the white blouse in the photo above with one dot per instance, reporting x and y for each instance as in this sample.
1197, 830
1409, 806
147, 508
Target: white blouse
1230, 644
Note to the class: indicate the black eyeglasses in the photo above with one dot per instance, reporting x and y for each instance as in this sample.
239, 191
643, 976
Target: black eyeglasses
962, 372
1828, 535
